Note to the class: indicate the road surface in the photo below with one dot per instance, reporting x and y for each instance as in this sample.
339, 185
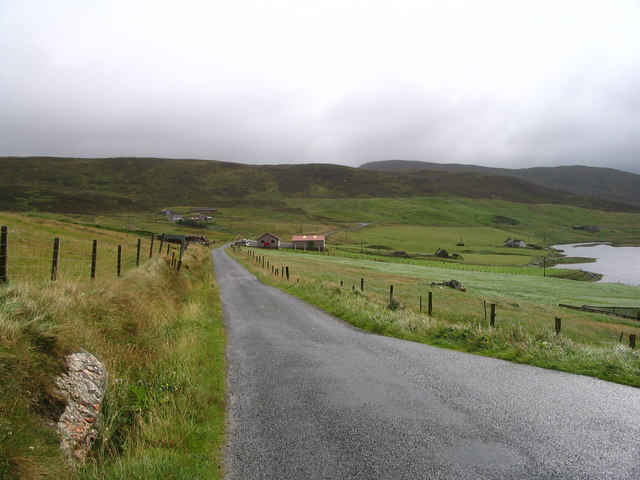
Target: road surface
310, 397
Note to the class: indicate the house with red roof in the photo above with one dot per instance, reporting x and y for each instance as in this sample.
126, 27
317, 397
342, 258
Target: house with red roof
308, 242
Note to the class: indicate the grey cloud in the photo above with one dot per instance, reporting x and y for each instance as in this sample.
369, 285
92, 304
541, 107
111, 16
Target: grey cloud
210, 81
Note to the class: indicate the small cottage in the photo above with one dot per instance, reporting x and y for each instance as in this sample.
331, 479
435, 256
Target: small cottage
268, 240
308, 242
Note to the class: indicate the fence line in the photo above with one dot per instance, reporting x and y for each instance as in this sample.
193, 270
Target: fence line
29, 256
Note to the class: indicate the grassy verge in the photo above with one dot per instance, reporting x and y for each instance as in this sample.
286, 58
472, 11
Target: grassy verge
524, 333
161, 337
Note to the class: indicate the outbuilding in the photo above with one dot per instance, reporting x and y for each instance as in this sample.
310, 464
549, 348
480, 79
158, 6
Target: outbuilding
308, 242
268, 240
515, 242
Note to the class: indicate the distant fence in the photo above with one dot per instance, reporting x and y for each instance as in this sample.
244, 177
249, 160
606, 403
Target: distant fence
632, 313
31, 256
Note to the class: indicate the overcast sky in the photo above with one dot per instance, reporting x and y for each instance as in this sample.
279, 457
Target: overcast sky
507, 83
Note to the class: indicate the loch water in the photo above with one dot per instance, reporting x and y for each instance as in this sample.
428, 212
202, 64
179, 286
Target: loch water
616, 264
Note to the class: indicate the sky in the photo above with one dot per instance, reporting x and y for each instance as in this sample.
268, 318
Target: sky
499, 83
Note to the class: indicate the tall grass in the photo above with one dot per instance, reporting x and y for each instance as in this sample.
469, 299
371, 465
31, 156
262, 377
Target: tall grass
160, 336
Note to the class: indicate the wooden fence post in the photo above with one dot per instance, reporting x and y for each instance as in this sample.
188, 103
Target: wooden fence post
362, 284
138, 252
94, 259
390, 293
430, 304
421, 303
54, 260
287, 273
151, 246
632, 340
4, 255
492, 317
558, 325
621, 335
161, 244
119, 260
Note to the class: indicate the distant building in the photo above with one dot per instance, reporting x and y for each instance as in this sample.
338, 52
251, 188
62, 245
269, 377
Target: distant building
174, 218
202, 218
308, 242
179, 239
442, 253
268, 240
515, 242
245, 242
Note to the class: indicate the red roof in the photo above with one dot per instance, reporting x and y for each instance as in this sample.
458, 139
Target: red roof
307, 238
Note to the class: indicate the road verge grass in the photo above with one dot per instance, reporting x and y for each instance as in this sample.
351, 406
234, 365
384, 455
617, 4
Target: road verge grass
161, 338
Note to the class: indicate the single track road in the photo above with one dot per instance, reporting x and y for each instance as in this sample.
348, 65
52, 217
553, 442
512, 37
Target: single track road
310, 397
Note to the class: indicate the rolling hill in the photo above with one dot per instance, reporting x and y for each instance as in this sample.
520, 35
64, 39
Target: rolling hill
607, 183
80, 185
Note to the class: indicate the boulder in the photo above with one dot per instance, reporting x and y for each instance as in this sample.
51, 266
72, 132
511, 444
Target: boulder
83, 388
451, 284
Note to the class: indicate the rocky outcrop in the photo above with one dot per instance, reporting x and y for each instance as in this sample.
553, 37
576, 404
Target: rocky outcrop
83, 388
451, 284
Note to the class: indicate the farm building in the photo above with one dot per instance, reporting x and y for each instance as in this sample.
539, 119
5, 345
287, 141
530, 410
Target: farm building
245, 242
515, 242
308, 242
180, 239
268, 240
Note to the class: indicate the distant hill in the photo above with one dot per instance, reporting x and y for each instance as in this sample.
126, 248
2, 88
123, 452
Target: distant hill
607, 183
79, 185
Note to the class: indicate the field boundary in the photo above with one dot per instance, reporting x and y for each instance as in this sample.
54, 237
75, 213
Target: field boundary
25, 255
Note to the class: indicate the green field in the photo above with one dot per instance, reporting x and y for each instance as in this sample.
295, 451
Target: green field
520, 299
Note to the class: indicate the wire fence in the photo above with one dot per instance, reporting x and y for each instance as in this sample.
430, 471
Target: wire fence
37, 256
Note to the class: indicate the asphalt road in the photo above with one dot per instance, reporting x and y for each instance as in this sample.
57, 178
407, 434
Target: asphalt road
313, 398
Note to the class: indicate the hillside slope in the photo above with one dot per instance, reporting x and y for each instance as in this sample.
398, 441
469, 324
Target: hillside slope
76, 185
607, 183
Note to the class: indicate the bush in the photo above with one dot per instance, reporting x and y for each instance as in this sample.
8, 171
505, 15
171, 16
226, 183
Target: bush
395, 304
